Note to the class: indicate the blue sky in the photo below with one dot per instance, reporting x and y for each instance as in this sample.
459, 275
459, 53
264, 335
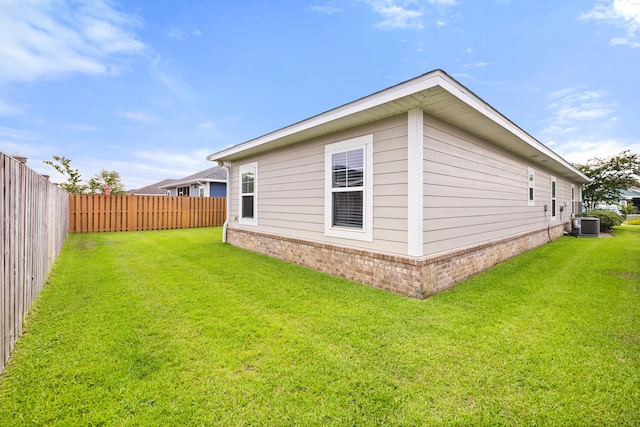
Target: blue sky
151, 87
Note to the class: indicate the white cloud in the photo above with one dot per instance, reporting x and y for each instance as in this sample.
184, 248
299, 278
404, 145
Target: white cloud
43, 39
10, 109
579, 119
177, 33
167, 72
477, 65
570, 106
580, 151
175, 164
328, 10
7, 133
142, 116
80, 127
181, 34
624, 14
397, 17
205, 125
407, 14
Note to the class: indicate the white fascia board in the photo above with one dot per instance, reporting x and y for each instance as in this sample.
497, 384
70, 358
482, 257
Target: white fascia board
183, 183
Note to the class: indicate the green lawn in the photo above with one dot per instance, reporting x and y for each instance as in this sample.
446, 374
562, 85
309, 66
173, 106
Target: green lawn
176, 328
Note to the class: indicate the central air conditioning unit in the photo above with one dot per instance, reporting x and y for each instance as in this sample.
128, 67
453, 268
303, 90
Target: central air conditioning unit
587, 227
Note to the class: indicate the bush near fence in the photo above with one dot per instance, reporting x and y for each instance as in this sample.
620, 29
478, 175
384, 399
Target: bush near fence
97, 213
34, 217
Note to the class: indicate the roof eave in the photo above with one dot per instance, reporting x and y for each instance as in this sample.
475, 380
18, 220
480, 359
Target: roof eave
399, 99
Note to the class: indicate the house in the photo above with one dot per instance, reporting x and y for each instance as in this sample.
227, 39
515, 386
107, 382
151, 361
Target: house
632, 197
411, 189
211, 182
152, 190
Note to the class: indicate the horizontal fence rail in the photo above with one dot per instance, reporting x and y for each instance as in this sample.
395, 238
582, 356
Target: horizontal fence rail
96, 213
34, 217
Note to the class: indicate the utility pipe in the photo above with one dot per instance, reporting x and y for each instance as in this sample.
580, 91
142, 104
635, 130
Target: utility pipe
227, 167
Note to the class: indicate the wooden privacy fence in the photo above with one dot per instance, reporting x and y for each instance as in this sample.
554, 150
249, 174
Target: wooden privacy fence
34, 217
90, 213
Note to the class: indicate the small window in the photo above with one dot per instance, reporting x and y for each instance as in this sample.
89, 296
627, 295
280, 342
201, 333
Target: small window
573, 199
553, 197
183, 191
168, 192
531, 191
201, 191
248, 194
349, 188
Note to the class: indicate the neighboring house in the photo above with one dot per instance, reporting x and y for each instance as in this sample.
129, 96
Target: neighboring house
211, 182
411, 189
632, 197
152, 190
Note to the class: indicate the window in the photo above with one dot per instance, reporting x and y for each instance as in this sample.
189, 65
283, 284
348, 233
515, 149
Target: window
248, 195
349, 189
183, 191
201, 192
532, 187
573, 199
168, 192
553, 197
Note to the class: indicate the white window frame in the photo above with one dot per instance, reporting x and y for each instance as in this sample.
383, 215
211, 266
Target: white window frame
531, 187
248, 167
365, 143
554, 197
573, 199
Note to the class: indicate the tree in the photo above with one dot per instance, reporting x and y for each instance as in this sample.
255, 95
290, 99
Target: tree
609, 177
74, 180
95, 185
105, 178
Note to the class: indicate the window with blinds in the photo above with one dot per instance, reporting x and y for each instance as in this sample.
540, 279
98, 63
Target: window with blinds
248, 196
348, 210
348, 188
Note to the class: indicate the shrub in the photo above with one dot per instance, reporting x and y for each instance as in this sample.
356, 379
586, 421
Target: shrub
628, 209
608, 219
634, 222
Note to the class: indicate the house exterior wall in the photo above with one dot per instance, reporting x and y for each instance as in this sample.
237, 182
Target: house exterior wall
209, 189
476, 192
217, 189
291, 191
475, 209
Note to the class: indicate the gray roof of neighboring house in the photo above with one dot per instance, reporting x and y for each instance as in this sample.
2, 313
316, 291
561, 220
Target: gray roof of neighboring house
214, 174
153, 189
632, 193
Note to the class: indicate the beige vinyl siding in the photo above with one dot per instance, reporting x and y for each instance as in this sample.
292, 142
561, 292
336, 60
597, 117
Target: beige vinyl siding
476, 192
291, 188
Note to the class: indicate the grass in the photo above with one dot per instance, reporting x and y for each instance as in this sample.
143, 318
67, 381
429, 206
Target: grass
176, 328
